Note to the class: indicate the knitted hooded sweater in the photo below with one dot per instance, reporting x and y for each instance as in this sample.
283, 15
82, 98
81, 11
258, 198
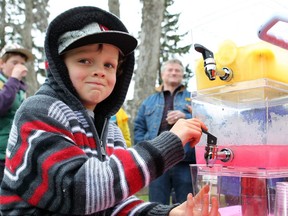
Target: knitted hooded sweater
60, 161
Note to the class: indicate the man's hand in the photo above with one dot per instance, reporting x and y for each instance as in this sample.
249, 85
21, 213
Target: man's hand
19, 71
173, 116
189, 107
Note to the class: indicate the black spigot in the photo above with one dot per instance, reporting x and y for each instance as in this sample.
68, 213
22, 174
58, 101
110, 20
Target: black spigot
210, 155
209, 61
205, 52
210, 67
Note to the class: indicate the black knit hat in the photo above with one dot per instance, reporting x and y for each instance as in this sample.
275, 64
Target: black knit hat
73, 20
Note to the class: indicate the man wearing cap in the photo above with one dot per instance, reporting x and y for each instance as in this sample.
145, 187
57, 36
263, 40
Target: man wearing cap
12, 90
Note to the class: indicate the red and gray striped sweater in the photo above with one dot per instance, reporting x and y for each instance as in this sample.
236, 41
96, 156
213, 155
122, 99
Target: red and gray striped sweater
53, 165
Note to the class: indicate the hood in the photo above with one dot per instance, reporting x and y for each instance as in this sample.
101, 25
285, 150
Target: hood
57, 73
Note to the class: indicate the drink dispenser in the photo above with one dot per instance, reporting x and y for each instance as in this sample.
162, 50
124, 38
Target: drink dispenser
242, 97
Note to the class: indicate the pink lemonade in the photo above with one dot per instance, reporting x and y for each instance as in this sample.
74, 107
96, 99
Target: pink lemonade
262, 156
255, 198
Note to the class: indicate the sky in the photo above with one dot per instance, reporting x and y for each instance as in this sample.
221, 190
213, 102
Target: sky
209, 22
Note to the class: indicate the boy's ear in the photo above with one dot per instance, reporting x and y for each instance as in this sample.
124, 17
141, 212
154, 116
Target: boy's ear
1, 62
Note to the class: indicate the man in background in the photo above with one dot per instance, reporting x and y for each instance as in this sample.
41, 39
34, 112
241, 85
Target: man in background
158, 113
13, 58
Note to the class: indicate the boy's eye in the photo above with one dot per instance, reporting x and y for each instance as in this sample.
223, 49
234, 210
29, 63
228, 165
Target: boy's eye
84, 61
108, 65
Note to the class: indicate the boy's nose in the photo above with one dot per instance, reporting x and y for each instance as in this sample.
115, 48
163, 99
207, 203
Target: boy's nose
98, 71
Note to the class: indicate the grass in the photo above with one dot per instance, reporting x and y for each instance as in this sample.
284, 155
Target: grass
143, 197
143, 194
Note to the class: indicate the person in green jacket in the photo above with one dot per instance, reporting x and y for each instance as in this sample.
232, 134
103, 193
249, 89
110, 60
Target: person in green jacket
13, 58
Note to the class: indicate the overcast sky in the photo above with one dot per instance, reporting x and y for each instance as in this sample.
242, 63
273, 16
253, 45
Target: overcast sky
209, 22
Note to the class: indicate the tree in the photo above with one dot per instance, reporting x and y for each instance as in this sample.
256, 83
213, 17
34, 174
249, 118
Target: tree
149, 53
114, 7
21, 22
170, 39
2, 22
159, 41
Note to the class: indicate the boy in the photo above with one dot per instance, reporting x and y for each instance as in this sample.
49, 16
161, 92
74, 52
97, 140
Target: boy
64, 156
13, 58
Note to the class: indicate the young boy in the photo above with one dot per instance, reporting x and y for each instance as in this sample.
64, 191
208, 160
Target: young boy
13, 58
64, 156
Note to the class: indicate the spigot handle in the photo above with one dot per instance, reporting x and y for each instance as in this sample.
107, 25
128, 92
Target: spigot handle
211, 139
210, 155
205, 52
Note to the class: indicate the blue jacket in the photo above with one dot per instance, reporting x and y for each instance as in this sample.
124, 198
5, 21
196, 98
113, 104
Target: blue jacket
148, 119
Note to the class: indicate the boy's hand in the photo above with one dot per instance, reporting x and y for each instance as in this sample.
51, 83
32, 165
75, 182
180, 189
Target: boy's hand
189, 130
197, 206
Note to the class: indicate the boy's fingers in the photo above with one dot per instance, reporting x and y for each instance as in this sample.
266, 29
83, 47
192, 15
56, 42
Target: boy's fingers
205, 208
189, 205
204, 190
215, 207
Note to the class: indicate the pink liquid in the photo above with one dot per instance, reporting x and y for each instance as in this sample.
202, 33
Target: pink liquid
254, 194
263, 156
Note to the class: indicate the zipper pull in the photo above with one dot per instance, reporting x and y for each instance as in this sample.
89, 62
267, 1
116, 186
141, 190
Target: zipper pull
102, 148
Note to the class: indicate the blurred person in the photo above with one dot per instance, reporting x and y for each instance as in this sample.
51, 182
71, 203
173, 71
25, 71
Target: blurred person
13, 58
157, 114
122, 120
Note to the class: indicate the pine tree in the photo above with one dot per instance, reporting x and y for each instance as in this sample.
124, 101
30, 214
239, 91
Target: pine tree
170, 41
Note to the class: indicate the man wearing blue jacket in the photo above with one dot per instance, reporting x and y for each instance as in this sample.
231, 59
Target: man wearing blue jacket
158, 113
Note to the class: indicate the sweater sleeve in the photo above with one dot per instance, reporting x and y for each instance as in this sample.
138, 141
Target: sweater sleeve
8, 94
51, 165
137, 207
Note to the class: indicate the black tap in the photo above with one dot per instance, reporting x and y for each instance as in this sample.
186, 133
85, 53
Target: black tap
210, 67
211, 149
205, 52
209, 61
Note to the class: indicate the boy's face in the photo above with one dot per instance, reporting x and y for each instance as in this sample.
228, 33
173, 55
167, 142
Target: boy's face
92, 72
7, 67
